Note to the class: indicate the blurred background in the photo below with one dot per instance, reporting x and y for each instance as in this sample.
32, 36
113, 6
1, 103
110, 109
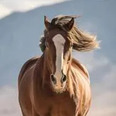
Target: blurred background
21, 25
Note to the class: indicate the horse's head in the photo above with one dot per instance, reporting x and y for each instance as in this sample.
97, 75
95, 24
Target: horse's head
58, 51
60, 37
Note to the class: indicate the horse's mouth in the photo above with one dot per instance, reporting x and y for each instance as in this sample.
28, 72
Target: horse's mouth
59, 90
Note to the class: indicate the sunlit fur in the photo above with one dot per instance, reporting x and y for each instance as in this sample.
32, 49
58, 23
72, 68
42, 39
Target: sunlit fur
36, 95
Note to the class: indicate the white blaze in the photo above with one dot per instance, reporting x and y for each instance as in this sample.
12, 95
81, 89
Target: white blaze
59, 44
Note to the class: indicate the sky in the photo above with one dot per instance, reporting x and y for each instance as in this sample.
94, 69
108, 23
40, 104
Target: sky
21, 25
9, 6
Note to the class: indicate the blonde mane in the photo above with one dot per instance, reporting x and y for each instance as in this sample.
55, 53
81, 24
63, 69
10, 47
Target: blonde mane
75, 88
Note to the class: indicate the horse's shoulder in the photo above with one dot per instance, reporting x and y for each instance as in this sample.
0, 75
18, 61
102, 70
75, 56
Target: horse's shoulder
76, 63
26, 65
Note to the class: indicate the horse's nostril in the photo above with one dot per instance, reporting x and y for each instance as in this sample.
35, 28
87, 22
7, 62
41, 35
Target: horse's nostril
53, 79
63, 78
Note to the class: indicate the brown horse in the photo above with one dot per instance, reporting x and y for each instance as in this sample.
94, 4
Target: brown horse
56, 84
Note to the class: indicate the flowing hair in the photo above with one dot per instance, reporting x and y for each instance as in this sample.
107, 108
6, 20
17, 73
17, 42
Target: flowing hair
82, 41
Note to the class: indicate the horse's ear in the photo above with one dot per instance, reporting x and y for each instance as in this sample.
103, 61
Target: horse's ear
47, 23
68, 26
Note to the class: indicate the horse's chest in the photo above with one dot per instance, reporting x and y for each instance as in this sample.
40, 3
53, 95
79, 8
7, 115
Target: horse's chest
61, 105
63, 109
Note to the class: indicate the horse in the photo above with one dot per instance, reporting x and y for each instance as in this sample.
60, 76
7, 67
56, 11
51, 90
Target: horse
56, 84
